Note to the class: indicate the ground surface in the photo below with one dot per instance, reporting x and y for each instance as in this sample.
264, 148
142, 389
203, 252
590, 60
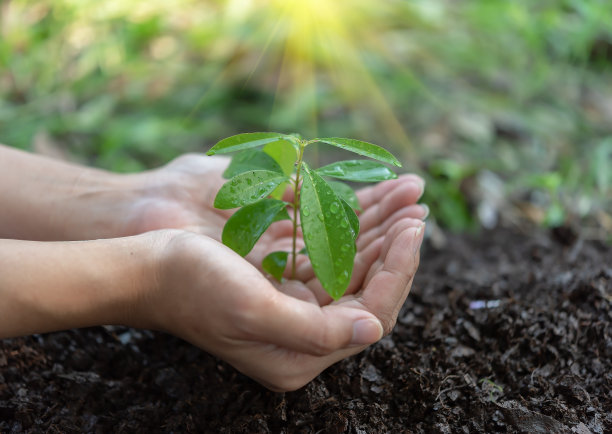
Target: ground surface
536, 358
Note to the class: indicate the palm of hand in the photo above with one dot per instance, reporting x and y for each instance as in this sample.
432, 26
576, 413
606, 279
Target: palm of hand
181, 195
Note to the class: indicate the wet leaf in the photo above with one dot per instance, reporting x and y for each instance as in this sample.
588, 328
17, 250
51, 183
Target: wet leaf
285, 155
243, 141
248, 187
358, 170
353, 220
275, 264
346, 193
279, 191
362, 148
251, 159
246, 225
327, 233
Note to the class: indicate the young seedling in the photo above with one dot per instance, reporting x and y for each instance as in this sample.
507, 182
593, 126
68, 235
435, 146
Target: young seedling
259, 175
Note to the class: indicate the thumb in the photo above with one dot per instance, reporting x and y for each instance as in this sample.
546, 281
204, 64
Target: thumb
305, 327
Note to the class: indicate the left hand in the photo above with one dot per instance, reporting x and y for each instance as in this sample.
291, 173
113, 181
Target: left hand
180, 195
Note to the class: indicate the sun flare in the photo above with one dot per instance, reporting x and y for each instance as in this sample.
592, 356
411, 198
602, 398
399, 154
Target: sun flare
320, 45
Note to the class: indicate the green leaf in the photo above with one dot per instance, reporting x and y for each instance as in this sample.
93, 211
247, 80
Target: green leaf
362, 148
352, 219
275, 264
247, 187
284, 153
251, 159
243, 141
279, 191
245, 226
327, 234
358, 170
282, 215
345, 193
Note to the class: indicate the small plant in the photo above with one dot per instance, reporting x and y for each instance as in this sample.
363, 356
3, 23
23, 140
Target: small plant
494, 389
325, 209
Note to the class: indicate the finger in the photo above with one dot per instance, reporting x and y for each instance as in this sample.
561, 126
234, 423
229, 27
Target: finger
363, 263
404, 194
419, 212
307, 328
389, 285
289, 194
310, 341
283, 370
371, 195
389, 238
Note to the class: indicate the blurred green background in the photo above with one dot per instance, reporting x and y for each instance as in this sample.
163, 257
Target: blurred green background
505, 107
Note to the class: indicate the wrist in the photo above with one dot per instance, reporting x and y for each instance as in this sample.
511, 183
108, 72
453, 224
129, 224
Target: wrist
144, 303
93, 204
46, 199
55, 286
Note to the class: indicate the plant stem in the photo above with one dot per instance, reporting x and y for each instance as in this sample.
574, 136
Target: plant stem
296, 205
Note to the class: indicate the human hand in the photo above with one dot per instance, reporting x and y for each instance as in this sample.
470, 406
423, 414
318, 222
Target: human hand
285, 336
282, 337
187, 282
181, 194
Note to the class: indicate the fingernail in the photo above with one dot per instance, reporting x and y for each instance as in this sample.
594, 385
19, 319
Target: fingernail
426, 210
420, 228
422, 188
366, 332
418, 235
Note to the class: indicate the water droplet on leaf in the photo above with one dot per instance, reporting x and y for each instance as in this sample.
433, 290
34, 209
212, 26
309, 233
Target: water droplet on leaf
334, 207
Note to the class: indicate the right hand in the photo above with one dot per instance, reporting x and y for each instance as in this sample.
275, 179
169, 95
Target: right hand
282, 337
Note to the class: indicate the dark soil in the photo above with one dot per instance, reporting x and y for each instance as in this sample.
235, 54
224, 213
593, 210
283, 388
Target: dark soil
501, 333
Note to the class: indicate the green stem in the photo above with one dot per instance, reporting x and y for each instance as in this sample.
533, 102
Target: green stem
296, 205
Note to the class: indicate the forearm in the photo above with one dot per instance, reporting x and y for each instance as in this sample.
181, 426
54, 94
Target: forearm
46, 199
47, 286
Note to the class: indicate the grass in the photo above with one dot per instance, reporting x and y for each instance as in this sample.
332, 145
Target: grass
505, 107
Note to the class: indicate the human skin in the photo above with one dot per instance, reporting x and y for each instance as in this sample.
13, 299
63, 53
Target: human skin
154, 260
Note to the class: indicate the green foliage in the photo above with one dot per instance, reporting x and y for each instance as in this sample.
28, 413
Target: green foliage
346, 193
357, 170
246, 225
517, 88
248, 187
324, 210
252, 159
244, 141
362, 148
444, 193
329, 239
275, 264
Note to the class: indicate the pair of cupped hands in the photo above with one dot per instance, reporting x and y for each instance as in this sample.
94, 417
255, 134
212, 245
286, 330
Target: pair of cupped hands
280, 334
